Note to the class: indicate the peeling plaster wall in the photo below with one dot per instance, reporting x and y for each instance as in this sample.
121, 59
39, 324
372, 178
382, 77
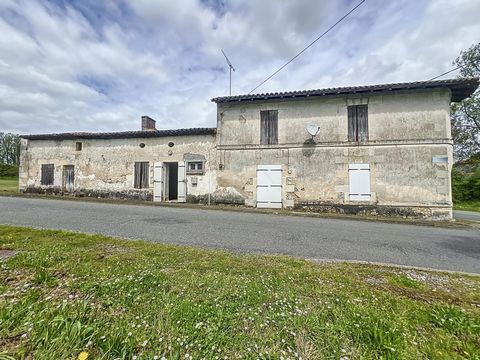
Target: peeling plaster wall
406, 131
106, 167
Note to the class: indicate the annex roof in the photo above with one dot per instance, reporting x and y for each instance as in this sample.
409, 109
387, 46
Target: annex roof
461, 89
121, 134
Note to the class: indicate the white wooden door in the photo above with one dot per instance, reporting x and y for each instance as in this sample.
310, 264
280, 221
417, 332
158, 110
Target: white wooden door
269, 186
182, 182
359, 182
158, 176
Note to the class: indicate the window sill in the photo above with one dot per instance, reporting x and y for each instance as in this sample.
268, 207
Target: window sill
195, 172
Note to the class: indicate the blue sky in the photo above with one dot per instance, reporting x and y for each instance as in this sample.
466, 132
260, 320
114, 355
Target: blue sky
89, 65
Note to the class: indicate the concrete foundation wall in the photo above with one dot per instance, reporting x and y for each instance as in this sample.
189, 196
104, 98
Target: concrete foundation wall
105, 168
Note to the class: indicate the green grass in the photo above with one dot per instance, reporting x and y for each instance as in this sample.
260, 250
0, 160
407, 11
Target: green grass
467, 205
64, 293
8, 185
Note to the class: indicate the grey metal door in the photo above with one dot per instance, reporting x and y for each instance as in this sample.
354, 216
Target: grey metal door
68, 178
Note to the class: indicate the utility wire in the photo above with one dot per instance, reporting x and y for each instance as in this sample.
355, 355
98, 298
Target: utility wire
447, 72
308, 46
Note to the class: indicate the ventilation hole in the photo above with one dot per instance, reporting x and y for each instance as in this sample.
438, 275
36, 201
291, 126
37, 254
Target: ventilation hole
142, 145
170, 144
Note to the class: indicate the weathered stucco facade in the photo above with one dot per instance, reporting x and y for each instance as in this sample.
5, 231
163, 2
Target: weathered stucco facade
394, 140
104, 167
407, 133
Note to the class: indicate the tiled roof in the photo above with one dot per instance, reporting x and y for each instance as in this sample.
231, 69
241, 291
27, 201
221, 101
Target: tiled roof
461, 89
122, 134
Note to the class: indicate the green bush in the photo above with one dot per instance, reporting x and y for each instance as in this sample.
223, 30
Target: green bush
8, 170
466, 184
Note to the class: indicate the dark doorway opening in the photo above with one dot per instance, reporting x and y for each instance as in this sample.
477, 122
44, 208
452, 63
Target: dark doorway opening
172, 181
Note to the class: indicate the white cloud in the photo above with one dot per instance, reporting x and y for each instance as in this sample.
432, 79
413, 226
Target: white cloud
99, 66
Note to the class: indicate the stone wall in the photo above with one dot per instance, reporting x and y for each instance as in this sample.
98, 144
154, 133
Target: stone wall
408, 133
105, 168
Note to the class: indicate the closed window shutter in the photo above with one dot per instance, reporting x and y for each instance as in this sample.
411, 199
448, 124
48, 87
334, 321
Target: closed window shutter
352, 123
47, 174
145, 171
358, 123
264, 127
269, 127
359, 182
273, 127
136, 176
362, 119
140, 179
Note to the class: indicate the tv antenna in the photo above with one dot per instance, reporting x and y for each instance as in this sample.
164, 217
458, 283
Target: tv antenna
313, 129
231, 68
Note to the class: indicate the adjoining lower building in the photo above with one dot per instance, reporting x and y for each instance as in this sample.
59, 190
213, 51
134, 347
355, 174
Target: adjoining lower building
381, 149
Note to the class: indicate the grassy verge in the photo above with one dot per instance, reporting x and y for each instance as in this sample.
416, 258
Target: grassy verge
468, 205
8, 185
63, 293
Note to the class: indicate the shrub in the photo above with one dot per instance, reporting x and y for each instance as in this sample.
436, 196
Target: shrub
8, 170
465, 184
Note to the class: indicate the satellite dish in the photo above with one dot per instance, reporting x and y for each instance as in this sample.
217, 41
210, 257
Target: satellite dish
313, 129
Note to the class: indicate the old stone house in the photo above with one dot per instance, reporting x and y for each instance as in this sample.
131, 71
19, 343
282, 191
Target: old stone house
383, 149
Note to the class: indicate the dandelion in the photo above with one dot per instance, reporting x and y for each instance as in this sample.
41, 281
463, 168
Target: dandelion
83, 355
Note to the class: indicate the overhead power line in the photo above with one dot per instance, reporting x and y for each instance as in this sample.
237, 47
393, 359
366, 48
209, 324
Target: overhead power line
308, 46
447, 72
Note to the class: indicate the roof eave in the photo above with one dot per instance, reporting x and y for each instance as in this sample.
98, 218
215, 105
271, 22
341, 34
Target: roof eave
460, 88
122, 135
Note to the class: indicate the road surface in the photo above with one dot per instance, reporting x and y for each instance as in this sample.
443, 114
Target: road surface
313, 238
466, 215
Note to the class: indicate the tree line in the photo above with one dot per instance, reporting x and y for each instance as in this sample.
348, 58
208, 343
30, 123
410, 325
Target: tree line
9, 149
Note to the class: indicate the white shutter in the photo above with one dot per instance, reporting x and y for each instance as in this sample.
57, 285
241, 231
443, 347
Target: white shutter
182, 182
269, 186
359, 181
158, 181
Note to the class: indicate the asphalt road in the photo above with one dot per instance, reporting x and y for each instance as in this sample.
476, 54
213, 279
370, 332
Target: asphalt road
466, 215
315, 238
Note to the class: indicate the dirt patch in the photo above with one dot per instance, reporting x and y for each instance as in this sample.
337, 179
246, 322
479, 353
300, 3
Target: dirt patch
111, 249
10, 344
5, 254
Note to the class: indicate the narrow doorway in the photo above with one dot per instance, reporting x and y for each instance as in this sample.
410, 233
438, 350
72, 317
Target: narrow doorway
172, 181
68, 180
169, 181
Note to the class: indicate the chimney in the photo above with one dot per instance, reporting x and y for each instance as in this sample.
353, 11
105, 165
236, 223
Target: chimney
148, 124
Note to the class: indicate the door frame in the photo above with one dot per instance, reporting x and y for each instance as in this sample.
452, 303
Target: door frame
66, 168
269, 204
161, 171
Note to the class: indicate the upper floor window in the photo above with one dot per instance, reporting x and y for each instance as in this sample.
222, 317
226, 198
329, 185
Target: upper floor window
269, 127
358, 123
141, 175
47, 174
78, 146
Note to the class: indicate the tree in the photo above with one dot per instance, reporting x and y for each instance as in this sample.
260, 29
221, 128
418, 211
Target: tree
466, 114
9, 149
